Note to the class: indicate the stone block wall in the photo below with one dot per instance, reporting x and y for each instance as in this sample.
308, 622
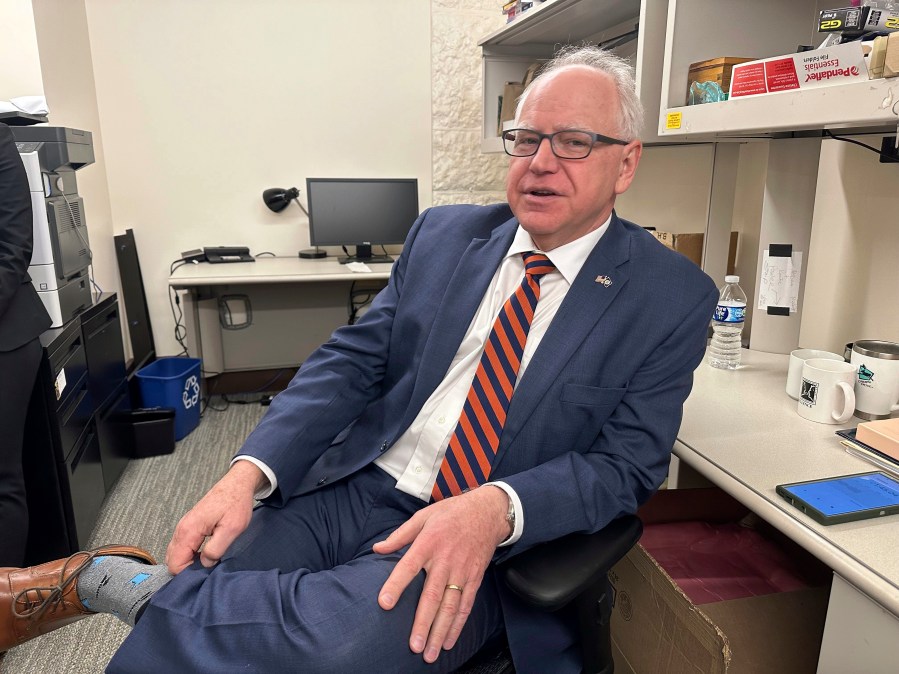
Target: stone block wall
461, 172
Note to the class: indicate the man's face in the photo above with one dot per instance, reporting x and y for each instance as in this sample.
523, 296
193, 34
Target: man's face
559, 200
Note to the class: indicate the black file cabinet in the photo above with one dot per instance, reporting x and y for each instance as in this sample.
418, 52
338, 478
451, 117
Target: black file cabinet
102, 333
73, 453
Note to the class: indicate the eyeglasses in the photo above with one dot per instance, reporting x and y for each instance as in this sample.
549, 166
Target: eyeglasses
568, 144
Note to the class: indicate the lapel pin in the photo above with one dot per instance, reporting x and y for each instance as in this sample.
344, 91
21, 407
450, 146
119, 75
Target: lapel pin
604, 280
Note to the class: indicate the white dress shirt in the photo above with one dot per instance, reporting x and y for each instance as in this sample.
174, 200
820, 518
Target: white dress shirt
415, 459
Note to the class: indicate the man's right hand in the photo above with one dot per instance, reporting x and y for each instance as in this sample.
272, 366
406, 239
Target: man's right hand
219, 518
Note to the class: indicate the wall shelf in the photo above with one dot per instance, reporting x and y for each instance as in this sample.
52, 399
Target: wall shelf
536, 34
702, 29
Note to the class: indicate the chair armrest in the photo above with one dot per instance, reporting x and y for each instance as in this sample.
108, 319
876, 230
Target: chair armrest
551, 574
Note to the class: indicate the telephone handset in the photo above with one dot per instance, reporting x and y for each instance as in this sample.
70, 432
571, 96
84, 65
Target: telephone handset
228, 254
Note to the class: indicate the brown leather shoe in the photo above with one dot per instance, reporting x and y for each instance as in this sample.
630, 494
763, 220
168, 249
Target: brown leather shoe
43, 598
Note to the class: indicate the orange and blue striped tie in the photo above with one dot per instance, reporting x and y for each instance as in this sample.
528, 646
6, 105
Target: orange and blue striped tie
473, 446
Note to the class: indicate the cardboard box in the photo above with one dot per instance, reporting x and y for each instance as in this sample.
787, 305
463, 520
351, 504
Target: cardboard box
656, 628
882, 435
842, 18
877, 56
882, 20
891, 57
690, 245
512, 91
716, 70
818, 68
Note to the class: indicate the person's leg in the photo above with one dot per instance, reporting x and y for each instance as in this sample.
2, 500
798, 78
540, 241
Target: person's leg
43, 598
299, 593
18, 370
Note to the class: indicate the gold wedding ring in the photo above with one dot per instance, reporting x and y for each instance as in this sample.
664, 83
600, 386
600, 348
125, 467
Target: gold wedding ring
454, 587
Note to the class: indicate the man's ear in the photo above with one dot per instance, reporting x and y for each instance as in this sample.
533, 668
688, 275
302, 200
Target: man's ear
630, 157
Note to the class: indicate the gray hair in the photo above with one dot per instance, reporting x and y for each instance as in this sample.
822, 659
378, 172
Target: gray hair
630, 112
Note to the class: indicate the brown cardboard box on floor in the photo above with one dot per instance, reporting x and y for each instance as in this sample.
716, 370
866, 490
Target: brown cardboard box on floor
690, 245
656, 628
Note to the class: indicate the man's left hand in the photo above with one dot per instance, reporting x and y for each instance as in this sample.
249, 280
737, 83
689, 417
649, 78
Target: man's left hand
453, 541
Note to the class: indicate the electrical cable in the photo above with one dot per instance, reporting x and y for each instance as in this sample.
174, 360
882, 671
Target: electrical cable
87, 248
175, 299
357, 300
855, 142
259, 389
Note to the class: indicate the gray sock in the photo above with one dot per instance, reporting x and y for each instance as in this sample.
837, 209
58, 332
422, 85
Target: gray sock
120, 585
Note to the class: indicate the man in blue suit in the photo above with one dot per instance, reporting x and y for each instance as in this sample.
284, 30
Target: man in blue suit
392, 471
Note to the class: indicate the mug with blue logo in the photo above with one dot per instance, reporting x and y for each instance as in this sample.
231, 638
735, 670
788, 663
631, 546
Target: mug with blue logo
876, 378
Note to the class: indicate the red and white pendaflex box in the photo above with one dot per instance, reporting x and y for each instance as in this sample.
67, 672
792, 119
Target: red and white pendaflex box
819, 68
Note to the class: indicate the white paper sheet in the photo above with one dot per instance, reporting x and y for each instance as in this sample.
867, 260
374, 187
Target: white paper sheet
779, 284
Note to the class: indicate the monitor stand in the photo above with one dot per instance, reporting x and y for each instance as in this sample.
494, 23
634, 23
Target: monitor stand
363, 254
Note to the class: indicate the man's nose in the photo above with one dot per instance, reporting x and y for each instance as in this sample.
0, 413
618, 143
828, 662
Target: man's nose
544, 159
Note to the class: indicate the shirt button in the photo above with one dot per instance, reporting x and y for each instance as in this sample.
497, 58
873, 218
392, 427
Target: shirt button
441, 420
418, 469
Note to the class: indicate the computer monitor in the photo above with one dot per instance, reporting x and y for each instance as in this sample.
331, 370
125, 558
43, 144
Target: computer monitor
361, 212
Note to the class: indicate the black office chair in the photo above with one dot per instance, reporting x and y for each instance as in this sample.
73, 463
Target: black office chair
569, 574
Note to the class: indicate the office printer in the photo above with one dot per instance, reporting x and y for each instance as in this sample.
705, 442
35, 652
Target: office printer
51, 155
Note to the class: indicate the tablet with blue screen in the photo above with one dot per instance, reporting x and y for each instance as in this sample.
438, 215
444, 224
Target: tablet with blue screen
845, 498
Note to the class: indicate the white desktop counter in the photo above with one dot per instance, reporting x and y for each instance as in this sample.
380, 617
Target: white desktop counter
742, 433
295, 306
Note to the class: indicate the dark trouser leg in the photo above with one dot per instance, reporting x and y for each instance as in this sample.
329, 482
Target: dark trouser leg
299, 594
18, 369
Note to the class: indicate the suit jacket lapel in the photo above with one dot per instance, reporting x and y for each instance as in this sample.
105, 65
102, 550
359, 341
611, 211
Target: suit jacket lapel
463, 295
602, 277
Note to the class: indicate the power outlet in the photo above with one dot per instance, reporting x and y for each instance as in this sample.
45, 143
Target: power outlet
888, 152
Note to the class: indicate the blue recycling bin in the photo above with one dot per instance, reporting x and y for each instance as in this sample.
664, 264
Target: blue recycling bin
173, 382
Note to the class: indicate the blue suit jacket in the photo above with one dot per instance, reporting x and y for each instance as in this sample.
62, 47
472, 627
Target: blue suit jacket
593, 419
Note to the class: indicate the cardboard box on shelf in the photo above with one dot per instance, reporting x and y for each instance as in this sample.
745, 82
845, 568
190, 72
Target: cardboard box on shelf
716, 70
842, 18
881, 20
891, 57
511, 93
818, 68
690, 245
656, 627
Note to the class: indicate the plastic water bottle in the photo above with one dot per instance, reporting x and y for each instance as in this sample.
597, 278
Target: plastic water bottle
727, 326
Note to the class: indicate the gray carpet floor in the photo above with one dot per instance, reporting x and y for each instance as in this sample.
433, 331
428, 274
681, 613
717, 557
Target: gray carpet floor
142, 509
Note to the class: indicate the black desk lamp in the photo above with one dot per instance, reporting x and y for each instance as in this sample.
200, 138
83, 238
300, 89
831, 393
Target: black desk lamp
277, 199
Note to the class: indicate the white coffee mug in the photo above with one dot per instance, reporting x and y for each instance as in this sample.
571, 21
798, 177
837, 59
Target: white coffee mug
826, 391
797, 360
877, 378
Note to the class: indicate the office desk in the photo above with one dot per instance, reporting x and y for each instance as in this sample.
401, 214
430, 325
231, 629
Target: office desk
296, 304
742, 433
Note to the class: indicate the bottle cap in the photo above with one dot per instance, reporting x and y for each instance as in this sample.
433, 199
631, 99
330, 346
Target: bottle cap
731, 279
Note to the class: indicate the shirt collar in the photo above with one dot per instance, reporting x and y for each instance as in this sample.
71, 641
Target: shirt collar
569, 258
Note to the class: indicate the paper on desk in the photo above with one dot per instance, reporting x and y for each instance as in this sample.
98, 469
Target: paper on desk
358, 266
33, 105
779, 285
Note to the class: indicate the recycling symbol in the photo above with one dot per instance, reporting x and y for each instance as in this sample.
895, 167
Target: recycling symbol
191, 394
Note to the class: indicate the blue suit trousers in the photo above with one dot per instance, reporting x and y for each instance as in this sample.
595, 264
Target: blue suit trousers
298, 593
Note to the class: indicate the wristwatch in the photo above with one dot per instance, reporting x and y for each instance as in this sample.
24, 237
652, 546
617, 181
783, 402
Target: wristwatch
510, 516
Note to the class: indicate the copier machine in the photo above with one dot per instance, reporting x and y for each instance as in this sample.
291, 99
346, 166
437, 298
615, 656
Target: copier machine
61, 255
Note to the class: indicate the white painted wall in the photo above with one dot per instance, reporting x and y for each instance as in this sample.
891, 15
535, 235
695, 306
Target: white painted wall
68, 78
852, 286
204, 104
20, 74
677, 177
